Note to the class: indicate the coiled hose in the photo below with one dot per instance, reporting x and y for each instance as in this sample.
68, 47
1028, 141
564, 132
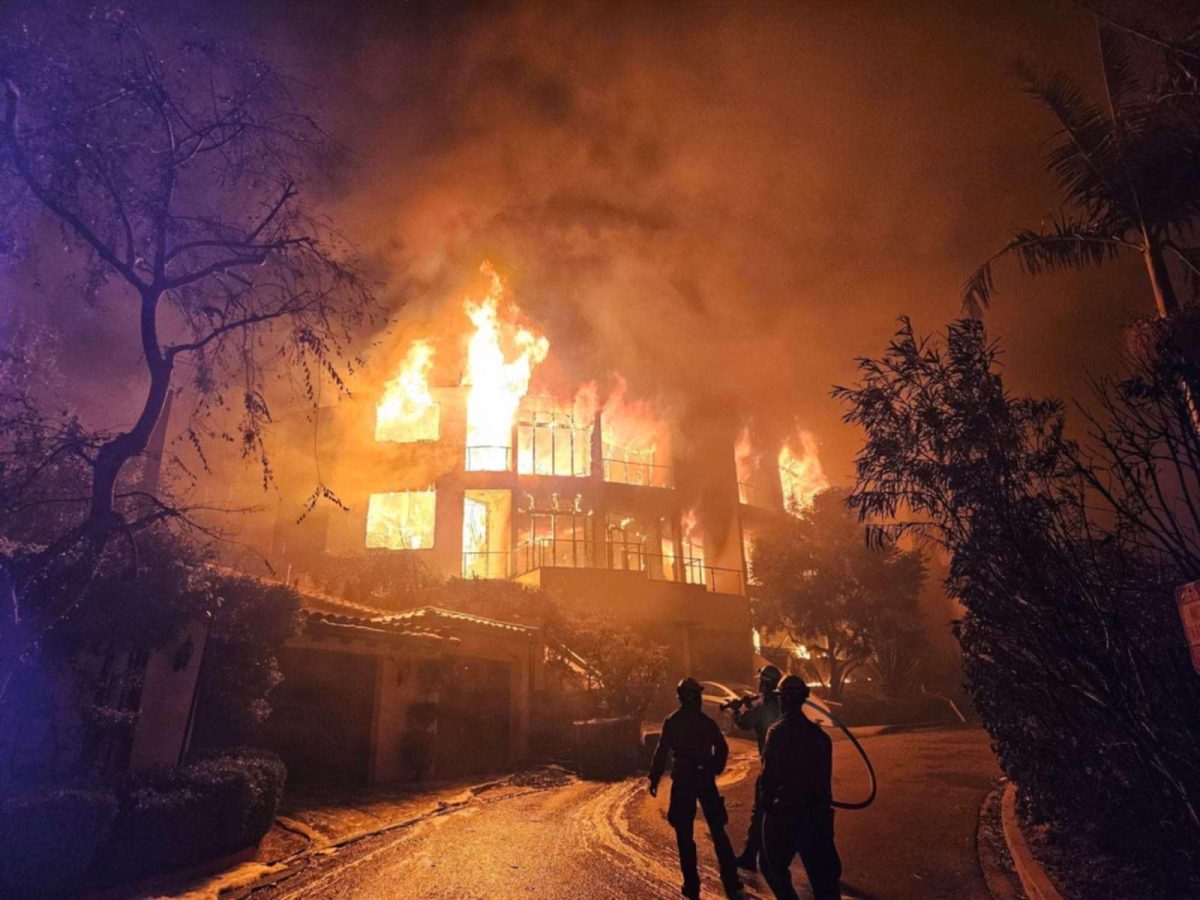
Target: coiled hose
837, 804
841, 804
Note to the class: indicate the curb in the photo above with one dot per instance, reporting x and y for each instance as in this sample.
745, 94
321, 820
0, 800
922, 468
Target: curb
995, 862
1033, 877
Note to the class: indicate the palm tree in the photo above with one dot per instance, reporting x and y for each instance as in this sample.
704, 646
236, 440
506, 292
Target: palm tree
1128, 168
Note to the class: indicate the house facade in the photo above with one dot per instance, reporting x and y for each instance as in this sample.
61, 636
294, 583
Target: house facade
655, 538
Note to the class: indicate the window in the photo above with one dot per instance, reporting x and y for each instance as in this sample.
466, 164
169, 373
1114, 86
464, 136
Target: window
406, 411
487, 534
422, 425
552, 442
554, 535
401, 520
636, 465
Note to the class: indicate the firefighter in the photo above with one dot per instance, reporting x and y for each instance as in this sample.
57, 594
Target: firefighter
797, 797
698, 753
758, 718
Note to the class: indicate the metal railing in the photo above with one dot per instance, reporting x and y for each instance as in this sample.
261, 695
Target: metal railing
555, 553
621, 556
623, 471
724, 581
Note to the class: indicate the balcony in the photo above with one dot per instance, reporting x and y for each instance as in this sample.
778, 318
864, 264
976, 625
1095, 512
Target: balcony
624, 556
622, 471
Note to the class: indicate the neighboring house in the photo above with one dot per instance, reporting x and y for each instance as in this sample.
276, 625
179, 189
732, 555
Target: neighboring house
427, 693
369, 695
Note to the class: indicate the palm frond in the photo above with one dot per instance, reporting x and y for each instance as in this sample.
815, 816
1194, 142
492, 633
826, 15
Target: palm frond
1067, 244
1162, 157
1190, 258
1116, 57
1086, 162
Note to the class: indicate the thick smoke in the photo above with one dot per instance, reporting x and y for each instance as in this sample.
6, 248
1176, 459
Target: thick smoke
726, 203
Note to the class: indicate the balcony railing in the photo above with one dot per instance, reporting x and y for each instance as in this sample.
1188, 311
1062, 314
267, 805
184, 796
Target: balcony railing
622, 556
623, 471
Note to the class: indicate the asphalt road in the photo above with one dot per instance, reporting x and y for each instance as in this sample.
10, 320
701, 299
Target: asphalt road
612, 841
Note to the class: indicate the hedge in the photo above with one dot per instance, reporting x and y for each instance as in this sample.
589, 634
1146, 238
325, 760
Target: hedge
57, 842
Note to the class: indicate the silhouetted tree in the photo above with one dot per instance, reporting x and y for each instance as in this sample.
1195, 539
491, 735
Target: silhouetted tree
176, 173
1065, 559
624, 667
819, 582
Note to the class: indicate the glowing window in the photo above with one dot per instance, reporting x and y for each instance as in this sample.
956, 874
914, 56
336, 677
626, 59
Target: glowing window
401, 520
407, 428
406, 411
550, 441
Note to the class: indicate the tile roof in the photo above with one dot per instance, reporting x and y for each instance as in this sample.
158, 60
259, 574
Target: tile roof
436, 616
372, 626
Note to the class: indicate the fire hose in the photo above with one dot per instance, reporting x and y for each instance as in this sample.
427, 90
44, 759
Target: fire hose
837, 804
842, 804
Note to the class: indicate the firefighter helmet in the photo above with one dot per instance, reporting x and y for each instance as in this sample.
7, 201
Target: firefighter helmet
769, 674
793, 687
689, 687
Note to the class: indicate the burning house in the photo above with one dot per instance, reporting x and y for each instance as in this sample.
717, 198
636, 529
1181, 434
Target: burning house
485, 473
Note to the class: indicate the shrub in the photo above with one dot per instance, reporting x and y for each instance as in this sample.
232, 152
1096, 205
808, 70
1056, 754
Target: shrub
241, 665
49, 840
177, 817
627, 668
1064, 558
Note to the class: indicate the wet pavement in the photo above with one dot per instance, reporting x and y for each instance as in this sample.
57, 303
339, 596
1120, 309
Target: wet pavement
582, 839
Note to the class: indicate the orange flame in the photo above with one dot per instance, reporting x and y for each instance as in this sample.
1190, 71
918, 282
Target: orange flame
801, 476
407, 411
402, 520
693, 547
497, 383
743, 456
636, 442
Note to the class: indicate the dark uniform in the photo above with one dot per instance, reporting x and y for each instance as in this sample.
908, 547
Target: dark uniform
796, 786
698, 752
757, 718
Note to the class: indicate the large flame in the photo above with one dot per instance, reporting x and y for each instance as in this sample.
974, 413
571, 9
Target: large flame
496, 382
407, 411
800, 476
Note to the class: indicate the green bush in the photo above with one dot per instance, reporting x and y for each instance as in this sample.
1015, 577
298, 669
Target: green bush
58, 842
177, 817
49, 840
